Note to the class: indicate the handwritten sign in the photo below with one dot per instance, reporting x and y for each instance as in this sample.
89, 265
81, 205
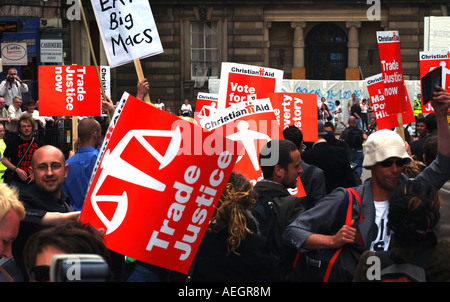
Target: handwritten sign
69, 90
128, 30
392, 71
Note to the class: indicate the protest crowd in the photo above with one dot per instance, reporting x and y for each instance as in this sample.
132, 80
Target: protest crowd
253, 184
258, 232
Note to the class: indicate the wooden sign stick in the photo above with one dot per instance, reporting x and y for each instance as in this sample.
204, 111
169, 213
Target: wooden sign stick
93, 55
140, 74
400, 129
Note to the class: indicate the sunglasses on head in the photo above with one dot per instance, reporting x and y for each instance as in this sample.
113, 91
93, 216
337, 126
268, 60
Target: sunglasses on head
398, 162
40, 273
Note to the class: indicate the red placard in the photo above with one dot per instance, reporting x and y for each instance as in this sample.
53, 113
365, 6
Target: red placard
71, 90
206, 105
430, 60
298, 109
239, 80
392, 71
252, 123
154, 196
385, 120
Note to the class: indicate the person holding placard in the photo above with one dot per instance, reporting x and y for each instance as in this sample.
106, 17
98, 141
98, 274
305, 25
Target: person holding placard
384, 155
82, 163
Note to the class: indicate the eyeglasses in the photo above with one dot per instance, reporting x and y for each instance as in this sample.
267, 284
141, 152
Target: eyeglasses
40, 273
52, 166
398, 162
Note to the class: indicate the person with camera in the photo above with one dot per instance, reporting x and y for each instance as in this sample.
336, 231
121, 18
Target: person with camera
12, 86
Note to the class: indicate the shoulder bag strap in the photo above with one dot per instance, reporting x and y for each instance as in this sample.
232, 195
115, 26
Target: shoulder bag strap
28, 149
348, 221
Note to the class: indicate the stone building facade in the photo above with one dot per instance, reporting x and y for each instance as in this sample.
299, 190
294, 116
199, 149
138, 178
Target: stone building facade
307, 39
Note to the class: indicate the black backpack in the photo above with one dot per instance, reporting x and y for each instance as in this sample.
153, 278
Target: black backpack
354, 138
271, 226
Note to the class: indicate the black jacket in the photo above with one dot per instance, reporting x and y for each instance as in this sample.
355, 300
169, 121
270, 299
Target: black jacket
334, 163
37, 203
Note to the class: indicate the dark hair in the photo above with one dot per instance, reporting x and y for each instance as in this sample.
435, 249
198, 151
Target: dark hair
413, 211
329, 124
430, 147
26, 117
294, 134
420, 120
71, 237
275, 152
430, 122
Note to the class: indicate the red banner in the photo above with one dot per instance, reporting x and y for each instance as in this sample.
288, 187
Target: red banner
430, 60
252, 123
298, 109
152, 192
375, 87
392, 71
72, 90
239, 80
206, 105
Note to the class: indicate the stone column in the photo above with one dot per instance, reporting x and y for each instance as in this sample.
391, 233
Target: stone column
267, 26
352, 72
298, 70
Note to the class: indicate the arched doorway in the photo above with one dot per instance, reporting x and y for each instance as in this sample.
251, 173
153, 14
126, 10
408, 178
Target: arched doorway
326, 52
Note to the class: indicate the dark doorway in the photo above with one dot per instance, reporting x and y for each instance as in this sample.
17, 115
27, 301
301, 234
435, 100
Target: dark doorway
326, 52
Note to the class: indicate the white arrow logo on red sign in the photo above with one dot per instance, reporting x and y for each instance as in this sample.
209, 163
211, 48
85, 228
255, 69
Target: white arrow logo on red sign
113, 165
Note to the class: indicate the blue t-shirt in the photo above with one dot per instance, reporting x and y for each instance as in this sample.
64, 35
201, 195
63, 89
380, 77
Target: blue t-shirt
81, 165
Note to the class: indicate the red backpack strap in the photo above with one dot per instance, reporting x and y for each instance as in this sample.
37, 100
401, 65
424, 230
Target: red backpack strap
348, 220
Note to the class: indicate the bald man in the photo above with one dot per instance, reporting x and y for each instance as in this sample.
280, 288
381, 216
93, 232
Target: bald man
45, 203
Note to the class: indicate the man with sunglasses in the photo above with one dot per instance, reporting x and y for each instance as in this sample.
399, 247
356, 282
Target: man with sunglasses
384, 155
45, 203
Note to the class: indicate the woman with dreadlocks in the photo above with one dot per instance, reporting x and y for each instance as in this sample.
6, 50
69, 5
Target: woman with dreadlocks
231, 249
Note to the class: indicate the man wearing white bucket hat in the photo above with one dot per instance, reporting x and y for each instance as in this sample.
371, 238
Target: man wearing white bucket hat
384, 155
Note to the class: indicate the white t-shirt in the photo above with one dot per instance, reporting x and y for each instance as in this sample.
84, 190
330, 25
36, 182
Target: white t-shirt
381, 243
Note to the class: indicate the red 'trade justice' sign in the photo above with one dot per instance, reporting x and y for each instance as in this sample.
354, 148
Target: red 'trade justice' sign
153, 197
385, 120
72, 90
392, 71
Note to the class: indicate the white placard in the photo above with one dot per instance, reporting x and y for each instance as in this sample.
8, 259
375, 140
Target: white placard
128, 30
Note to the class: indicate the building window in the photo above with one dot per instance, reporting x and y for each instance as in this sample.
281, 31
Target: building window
204, 52
326, 52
